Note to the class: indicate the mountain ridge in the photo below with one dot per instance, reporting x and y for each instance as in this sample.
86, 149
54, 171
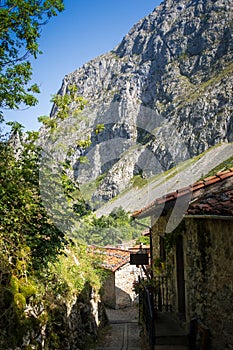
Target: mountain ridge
164, 95
184, 174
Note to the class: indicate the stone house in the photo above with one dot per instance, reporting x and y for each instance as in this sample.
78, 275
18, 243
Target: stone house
192, 233
117, 291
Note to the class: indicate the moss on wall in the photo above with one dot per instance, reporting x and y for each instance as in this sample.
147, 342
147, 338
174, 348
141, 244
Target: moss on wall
52, 308
208, 245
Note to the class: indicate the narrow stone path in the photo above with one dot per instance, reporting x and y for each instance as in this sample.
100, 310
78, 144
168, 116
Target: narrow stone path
123, 333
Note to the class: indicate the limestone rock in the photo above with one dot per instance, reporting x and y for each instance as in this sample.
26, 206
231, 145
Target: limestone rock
164, 94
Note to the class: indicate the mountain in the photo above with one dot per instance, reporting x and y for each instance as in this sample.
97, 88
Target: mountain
184, 174
162, 96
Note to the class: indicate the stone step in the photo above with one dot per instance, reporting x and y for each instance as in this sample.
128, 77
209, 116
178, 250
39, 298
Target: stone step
124, 336
171, 347
168, 330
172, 340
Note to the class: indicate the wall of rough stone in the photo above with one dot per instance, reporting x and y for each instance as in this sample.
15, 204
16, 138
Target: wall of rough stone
118, 287
208, 271
108, 291
66, 325
124, 278
208, 260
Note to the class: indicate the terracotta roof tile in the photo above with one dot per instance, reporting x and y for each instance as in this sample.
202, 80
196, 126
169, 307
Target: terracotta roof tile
170, 196
220, 203
161, 200
226, 175
198, 186
211, 180
184, 189
201, 184
111, 258
224, 171
212, 201
183, 192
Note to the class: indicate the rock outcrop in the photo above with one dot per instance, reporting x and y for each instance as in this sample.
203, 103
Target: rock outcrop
62, 324
164, 94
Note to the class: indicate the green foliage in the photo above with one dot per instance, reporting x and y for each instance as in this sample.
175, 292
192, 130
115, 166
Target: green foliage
16, 128
139, 286
20, 30
99, 128
20, 302
138, 181
36, 269
143, 239
72, 271
83, 143
171, 238
26, 233
160, 267
99, 179
64, 105
47, 121
111, 229
55, 174
83, 160
226, 164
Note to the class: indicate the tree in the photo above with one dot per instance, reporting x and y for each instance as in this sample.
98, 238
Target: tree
37, 266
20, 29
59, 190
24, 225
110, 229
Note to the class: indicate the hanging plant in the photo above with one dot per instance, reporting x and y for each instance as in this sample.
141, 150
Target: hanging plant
139, 286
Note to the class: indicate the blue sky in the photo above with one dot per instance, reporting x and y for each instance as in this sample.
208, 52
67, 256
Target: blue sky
85, 29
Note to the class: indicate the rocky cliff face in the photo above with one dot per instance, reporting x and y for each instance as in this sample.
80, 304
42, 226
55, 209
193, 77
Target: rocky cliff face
163, 95
61, 324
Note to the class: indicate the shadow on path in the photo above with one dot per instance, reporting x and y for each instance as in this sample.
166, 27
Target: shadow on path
123, 333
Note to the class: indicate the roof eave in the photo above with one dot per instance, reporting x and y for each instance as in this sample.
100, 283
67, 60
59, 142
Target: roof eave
208, 216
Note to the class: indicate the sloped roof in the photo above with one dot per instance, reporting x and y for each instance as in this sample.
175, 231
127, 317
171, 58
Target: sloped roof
220, 203
197, 191
111, 258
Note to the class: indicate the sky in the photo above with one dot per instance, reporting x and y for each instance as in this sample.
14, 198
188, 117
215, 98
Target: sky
83, 31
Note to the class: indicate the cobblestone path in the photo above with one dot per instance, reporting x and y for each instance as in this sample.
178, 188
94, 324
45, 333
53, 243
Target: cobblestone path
123, 333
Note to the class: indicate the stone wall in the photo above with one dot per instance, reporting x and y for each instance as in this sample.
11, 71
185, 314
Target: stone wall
208, 267
108, 291
62, 324
118, 287
124, 278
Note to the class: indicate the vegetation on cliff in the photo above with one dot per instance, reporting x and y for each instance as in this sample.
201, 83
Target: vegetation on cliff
41, 268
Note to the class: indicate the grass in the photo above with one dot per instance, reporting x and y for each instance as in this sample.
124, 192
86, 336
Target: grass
200, 89
168, 174
138, 181
88, 189
221, 167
